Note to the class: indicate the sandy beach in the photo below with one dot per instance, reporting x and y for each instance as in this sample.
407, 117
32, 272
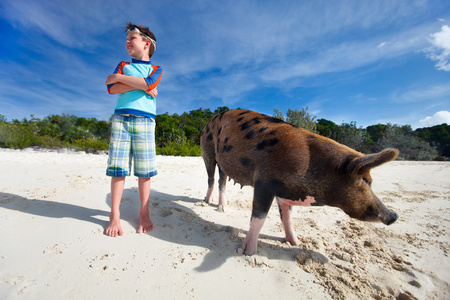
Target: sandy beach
54, 208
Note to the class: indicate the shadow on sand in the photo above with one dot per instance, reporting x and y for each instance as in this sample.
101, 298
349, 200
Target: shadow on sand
173, 222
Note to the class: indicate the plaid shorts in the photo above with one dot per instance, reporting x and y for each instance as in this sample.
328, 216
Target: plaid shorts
132, 138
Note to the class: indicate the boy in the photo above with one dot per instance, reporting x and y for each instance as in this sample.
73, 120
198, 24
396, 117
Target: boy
133, 125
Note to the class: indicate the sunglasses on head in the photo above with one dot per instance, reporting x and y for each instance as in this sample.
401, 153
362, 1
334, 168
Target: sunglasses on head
135, 29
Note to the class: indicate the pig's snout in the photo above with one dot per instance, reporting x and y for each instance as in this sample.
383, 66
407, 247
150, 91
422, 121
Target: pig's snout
389, 217
385, 215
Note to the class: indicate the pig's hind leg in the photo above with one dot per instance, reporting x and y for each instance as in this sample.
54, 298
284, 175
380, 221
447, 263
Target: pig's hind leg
286, 218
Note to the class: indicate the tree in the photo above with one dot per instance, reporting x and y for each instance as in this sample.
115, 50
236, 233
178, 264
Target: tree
351, 136
438, 136
411, 148
326, 127
221, 109
376, 132
168, 130
300, 118
277, 113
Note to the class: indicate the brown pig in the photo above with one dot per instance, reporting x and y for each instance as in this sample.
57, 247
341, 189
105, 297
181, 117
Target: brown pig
292, 164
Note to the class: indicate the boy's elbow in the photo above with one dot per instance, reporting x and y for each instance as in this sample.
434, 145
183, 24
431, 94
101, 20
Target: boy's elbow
109, 87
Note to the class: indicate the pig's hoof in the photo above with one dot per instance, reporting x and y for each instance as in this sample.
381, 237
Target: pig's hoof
249, 252
293, 241
220, 208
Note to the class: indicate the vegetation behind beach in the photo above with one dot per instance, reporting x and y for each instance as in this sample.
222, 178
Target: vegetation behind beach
180, 134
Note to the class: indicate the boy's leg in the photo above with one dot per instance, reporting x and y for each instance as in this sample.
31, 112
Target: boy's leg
114, 228
143, 145
119, 166
145, 224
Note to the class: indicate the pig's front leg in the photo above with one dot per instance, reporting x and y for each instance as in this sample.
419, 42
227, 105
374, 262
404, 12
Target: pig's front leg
286, 219
209, 194
210, 169
222, 201
222, 187
262, 200
251, 240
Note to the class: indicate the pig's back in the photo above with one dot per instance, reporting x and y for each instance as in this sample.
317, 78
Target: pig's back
249, 145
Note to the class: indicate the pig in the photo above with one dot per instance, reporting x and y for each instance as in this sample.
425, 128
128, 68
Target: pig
291, 164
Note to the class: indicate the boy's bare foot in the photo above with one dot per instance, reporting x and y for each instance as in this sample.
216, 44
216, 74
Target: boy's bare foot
114, 229
145, 225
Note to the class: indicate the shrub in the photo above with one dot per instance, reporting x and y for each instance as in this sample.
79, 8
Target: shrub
176, 149
90, 145
16, 136
411, 148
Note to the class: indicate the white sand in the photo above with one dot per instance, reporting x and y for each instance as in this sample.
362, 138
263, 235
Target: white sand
54, 208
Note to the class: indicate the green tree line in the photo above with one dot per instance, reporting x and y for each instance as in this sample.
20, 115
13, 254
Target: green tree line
180, 134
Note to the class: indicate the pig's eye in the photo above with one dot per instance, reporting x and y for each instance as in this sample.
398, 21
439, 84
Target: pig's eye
367, 181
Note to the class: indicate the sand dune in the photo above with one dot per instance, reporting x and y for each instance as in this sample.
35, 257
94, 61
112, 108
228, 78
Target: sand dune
54, 208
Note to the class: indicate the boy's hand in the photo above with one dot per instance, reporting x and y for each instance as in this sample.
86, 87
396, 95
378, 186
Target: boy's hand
111, 79
153, 92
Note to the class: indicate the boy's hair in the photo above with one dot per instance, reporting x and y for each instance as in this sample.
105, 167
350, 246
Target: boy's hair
145, 31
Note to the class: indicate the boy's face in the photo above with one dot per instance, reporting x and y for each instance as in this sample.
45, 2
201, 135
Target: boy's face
137, 46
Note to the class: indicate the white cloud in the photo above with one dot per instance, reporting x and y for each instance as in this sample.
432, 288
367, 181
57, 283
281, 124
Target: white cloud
423, 94
437, 119
381, 45
440, 49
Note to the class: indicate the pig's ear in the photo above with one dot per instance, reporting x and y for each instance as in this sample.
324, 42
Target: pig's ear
364, 163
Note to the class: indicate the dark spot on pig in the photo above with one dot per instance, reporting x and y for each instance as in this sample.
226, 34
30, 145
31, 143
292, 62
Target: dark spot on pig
227, 148
210, 137
240, 119
261, 145
250, 134
256, 120
245, 125
263, 129
276, 187
273, 132
267, 143
274, 120
245, 161
226, 140
273, 142
264, 194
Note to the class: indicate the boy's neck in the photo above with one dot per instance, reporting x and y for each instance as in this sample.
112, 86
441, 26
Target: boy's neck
143, 57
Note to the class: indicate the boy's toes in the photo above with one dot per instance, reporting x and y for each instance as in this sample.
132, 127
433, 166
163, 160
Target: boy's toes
145, 228
114, 229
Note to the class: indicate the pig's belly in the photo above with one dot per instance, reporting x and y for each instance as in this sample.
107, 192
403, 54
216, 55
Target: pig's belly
241, 175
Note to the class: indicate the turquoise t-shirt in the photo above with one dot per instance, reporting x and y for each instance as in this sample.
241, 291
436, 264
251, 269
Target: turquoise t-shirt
138, 102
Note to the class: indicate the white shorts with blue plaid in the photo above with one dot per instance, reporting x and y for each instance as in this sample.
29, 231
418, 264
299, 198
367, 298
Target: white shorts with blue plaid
132, 138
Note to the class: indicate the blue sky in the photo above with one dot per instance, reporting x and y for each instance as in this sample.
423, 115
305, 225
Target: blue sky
364, 61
